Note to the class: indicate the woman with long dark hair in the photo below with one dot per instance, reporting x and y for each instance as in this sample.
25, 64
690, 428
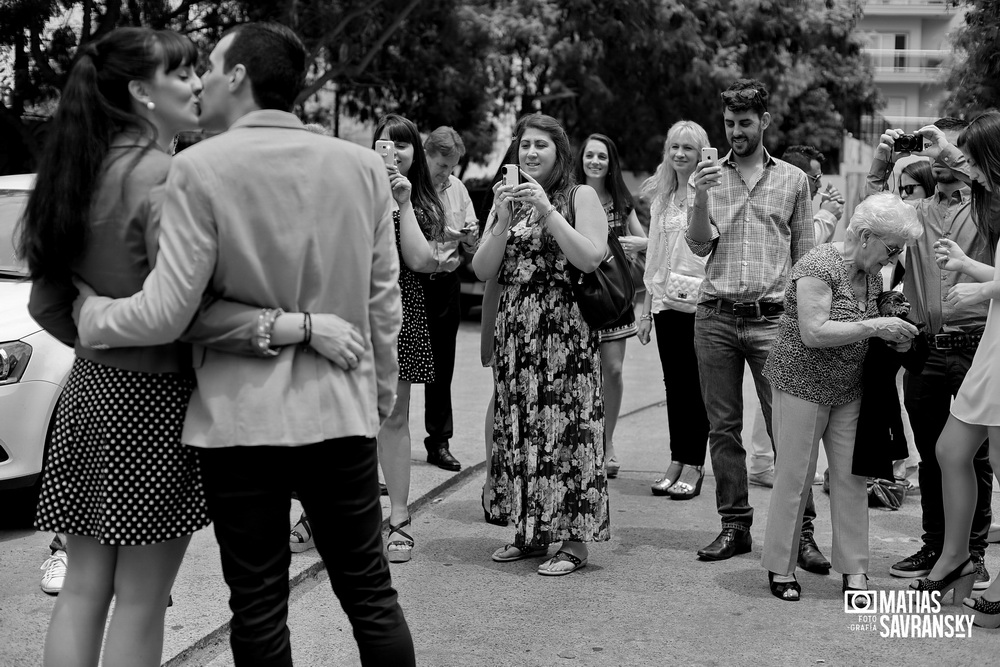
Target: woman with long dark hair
598, 166
117, 479
975, 412
547, 463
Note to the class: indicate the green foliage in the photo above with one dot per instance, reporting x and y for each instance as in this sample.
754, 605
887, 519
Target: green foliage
975, 77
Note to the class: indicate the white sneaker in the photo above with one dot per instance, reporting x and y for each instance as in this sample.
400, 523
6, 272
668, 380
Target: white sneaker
54, 568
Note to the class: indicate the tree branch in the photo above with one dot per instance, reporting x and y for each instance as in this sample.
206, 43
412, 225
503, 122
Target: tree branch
363, 64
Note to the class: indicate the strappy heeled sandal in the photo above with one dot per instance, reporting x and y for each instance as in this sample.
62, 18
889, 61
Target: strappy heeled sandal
399, 551
787, 591
688, 485
300, 538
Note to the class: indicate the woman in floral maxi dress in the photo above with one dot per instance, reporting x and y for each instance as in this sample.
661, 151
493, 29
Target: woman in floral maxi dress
547, 465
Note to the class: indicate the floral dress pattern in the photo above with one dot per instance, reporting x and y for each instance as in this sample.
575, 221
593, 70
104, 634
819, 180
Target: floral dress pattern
547, 464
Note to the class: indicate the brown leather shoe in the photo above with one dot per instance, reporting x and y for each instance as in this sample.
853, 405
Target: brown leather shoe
729, 543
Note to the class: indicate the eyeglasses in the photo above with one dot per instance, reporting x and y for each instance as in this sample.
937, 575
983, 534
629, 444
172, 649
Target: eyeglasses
750, 95
908, 189
890, 251
815, 178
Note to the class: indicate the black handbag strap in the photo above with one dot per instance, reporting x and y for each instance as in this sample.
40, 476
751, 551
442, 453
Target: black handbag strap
571, 212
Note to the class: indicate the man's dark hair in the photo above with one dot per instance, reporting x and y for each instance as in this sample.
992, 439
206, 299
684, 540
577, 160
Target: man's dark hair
746, 95
275, 61
950, 123
809, 152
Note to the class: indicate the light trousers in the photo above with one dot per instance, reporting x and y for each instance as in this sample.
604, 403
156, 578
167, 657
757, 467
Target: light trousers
798, 426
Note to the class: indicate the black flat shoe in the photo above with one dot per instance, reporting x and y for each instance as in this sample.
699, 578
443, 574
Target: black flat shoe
443, 459
786, 591
729, 543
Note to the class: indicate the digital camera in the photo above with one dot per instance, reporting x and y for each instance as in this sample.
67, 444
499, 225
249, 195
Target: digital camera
908, 143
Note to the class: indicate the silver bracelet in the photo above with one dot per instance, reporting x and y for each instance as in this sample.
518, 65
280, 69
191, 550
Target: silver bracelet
646, 316
261, 341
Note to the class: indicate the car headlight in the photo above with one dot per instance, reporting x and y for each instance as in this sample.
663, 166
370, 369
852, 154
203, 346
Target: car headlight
13, 360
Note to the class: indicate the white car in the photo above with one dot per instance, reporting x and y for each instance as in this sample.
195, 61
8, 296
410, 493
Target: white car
33, 365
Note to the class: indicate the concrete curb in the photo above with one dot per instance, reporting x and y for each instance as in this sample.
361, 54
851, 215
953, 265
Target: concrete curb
216, 641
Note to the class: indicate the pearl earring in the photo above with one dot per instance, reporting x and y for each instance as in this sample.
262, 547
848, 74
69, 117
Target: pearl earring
150, 105
863, 245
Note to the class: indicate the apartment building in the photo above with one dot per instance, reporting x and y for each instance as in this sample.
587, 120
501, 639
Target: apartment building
909, 47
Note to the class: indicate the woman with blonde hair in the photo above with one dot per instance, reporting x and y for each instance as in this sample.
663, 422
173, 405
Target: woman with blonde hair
673, 279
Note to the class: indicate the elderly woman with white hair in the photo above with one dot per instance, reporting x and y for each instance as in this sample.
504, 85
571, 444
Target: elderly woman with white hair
815, 374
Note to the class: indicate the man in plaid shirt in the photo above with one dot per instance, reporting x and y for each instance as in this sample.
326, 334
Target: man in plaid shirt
752, 218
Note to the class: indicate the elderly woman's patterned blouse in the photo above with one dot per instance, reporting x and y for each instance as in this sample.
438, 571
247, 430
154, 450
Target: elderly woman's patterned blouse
824, 375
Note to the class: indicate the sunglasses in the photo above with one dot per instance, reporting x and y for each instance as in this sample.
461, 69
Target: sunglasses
890, 251
750, 95
908, 189
815, 178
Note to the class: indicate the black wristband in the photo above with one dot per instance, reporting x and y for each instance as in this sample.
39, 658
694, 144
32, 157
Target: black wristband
307, 324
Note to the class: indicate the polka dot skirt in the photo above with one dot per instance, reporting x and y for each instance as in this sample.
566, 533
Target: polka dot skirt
116, 469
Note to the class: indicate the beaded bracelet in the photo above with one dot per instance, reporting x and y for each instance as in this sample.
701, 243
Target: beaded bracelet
261, 341
547, 213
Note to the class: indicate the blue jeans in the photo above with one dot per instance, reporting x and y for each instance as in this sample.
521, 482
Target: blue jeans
725, 343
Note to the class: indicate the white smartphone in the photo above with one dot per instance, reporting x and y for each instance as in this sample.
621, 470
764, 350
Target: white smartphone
387, 150
709, 154
511, 175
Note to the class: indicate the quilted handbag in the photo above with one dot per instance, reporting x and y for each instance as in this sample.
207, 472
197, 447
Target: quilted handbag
681, 288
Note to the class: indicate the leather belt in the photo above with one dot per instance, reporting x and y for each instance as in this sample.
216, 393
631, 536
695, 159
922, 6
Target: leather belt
438, 275
756, 309
954, 340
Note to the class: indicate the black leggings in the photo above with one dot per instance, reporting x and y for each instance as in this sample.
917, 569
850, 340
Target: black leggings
686, 416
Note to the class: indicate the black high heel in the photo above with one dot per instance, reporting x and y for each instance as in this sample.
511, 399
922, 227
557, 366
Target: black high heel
781, 589
955, 581
987, 612
683, 489
846, 588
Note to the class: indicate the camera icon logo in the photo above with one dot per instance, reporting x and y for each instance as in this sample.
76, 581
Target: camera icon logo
860, 602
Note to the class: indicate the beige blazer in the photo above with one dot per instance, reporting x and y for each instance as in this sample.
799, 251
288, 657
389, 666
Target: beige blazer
271, 215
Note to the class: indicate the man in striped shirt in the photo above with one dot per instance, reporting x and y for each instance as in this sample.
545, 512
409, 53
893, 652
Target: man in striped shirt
752, 218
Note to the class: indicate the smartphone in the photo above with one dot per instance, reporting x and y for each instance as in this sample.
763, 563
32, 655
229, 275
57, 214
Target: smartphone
511, 174
387, 150
709, 154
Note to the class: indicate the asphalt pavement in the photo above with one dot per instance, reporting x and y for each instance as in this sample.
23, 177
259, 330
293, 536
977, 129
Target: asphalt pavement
643, 599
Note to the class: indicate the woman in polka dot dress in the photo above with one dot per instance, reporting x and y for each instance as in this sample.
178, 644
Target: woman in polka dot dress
116, 479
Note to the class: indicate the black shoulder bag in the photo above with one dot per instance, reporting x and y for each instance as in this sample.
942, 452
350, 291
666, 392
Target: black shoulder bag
607, 292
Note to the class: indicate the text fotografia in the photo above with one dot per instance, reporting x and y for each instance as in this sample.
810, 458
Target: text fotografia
905, 613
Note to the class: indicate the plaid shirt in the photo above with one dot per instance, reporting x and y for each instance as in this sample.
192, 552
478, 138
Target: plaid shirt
757, 235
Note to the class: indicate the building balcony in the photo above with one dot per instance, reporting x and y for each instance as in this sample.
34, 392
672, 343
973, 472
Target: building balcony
908, 65
944, 9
